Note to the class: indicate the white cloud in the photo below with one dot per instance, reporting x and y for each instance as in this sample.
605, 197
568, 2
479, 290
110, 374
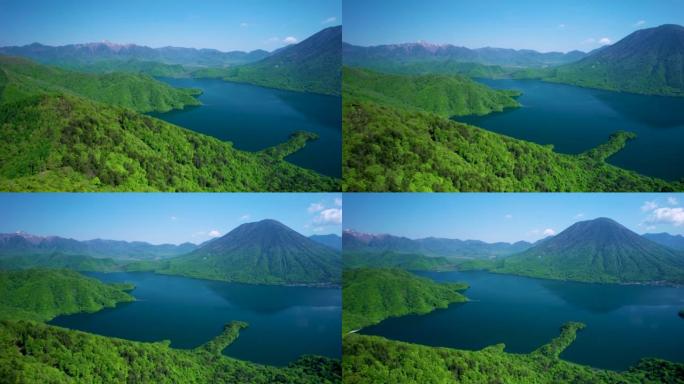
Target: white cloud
329, 20
561, 26
579, 215
338, 202
173, 218
508, 216
640, 23
604, 41
290, 40
649, 206
246, 216
329, 216
674, 216
672, 200
651, 228
244, 25
214, 233
548, 232
315, 207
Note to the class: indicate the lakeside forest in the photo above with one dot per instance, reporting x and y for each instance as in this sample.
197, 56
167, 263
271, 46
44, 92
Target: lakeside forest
80, 125
389, 285
40, 279
398, 101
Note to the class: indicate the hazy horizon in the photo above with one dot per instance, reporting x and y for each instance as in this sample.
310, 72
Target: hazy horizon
561, 26
222, 25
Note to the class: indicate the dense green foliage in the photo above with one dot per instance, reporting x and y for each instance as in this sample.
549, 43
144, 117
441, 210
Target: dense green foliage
314, 65
599, 250
264, 252
444, 95
388, 149
372, 359
39, 294
37, 353
409, 261
648, 61
59, 260
138, 92
151, 68
66, 143
440, 67
372, 295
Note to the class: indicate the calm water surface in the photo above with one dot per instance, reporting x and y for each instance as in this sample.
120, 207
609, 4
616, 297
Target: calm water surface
284, 322
624, 323
576, 119
254, 118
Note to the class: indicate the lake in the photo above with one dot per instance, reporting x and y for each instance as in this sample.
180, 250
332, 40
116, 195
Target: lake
575, 119
624, 323
254, 118
284, 322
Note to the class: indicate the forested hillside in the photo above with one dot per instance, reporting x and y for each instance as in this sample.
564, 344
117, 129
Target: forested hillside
313, 65
372, 295
444, 95
141, 93
392, 149
37, 353
39, 294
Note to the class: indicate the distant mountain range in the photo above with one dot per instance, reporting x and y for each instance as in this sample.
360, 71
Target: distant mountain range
264, 252
16, 244
333, 241
431, 246
670, 241
408, 53
90, 53
599, 250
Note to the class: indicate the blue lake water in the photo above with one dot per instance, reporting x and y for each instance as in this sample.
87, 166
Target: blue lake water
254, 118
624, 323
284, 322
575, 119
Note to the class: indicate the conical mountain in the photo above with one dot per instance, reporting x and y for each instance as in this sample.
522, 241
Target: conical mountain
599, 250
649, 61
313, 65
264, 252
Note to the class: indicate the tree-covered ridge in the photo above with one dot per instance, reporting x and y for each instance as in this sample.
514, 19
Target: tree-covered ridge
36, 353
444, 95
141, 93
313, 65
389, 259
372, 295
38, 294
68, 143
389, 149
372, 359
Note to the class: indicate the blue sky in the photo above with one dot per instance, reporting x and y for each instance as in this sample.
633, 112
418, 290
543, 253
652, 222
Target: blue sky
225, 25
544, 25
507, 217
164, 217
